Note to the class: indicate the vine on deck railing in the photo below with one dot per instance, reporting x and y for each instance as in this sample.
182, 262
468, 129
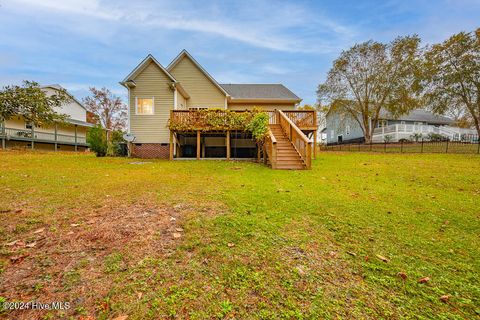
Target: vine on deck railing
254, 121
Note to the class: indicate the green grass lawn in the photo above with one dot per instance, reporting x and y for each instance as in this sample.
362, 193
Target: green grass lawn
217, 239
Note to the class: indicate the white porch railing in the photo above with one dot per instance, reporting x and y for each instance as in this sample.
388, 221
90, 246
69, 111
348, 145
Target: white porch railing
396, 132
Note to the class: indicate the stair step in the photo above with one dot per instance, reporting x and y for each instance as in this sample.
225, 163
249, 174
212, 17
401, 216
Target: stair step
289, 167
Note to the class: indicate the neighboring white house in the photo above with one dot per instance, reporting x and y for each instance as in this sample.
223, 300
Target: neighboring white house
17, 133
417, 124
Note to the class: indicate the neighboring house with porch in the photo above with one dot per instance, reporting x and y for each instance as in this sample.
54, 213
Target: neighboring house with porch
17, 133
416, 124
158, 94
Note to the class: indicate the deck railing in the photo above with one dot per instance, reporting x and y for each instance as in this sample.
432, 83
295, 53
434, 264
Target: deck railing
305, 119
29, 135
397, 132
299, 140
271, 149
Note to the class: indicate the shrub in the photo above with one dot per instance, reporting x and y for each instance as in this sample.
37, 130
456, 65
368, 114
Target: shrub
436, 137
115, 145
387, 139
97, 141
416, 137
258, 126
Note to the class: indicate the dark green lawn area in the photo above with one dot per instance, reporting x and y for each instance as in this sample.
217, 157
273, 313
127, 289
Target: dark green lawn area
216, 239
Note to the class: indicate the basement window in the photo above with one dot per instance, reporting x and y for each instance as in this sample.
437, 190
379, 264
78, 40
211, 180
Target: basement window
144, 105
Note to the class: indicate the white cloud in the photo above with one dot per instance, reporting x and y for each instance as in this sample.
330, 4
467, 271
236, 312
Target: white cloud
257, 23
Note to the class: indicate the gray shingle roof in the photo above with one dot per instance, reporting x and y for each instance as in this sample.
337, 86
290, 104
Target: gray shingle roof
419, 115
260, 91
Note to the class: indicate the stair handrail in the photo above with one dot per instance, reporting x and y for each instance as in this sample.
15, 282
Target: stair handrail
300, 141
271, 149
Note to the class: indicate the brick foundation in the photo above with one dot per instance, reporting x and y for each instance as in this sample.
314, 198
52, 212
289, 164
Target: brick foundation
151, 150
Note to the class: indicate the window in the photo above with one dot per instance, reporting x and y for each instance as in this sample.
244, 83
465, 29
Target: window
144, 106
28, 126
347, 129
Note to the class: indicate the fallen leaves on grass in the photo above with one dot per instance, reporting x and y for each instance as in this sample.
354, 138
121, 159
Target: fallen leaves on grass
31, 245
402, 275
231, 245
10, 244
382, 258
445, 298
39, 230
18, 259
424, 280
177, 235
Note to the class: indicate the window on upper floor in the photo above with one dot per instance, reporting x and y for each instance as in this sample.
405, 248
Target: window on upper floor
144, 105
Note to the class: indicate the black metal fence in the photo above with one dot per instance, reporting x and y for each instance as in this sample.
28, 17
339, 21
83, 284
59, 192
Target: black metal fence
408, 147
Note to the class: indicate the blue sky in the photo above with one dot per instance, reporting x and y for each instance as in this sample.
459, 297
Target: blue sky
82, 43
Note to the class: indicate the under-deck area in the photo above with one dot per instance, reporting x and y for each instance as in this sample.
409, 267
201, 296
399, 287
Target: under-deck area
224, 145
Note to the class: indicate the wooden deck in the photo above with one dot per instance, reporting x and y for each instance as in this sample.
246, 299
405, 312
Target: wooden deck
288, 145
305, 120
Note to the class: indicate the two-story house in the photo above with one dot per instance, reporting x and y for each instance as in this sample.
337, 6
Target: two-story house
16, 133
157, 94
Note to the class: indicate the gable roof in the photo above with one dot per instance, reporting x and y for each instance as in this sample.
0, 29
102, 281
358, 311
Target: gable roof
257, 92
419, 115
184, 53
59, 87
142, 65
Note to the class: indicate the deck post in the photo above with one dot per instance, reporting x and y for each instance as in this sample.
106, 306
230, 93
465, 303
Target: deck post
264, 151
315, 144
33, 137
228, 144
56, 144
198, 144
76, 148
309, 156
4, 133
171, 145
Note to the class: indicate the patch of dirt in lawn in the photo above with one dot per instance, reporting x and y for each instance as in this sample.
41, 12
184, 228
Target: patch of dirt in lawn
75, 258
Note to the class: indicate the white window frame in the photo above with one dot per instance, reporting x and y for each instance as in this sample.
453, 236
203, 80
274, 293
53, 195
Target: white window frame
144, 114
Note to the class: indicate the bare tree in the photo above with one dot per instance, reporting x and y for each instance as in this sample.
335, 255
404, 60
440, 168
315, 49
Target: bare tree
371, 77
109, 109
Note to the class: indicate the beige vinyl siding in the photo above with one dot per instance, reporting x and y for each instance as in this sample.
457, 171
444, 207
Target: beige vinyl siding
265, 106
181, 102
203, 93
152, 82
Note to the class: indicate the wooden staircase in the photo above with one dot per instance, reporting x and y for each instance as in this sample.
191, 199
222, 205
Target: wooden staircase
286, 155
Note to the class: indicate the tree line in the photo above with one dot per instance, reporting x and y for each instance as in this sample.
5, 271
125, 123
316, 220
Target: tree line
403, 75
